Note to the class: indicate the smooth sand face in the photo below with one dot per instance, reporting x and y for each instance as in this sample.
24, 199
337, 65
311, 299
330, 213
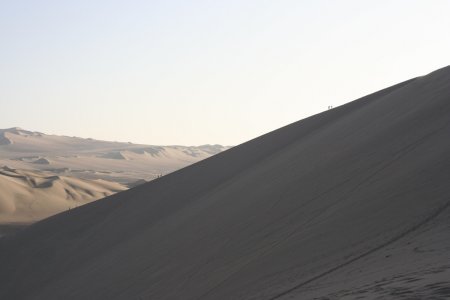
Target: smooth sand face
351, 202
41, 175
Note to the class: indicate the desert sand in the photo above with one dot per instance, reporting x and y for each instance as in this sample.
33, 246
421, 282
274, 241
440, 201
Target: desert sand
41, 174
88, 158
28, 196
352, 203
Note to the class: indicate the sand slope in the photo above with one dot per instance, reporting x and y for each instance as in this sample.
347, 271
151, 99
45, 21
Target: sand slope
349, 203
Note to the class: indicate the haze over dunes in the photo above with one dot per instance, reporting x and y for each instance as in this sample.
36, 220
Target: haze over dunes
41, 174
352, 202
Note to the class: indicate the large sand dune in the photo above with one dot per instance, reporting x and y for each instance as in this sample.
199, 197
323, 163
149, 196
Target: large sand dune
348, 204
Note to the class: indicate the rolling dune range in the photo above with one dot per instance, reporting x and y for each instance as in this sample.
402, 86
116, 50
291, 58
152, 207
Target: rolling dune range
41, 175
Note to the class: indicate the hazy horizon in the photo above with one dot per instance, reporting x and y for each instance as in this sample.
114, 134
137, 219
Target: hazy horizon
197, 72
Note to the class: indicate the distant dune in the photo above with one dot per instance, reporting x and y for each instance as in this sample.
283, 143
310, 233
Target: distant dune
86, 170
42, 161
29, 196
115, 155
5, 141
352, 203
125, 163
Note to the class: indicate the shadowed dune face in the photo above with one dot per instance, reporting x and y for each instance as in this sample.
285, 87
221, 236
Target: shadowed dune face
351, 202
4, 140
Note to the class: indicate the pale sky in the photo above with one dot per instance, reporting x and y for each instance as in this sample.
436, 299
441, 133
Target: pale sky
197, 72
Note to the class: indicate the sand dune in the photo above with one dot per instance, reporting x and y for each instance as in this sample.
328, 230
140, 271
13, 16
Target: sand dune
4, 140
28, 196
42, 161
125, 163
79, 161
352, 203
